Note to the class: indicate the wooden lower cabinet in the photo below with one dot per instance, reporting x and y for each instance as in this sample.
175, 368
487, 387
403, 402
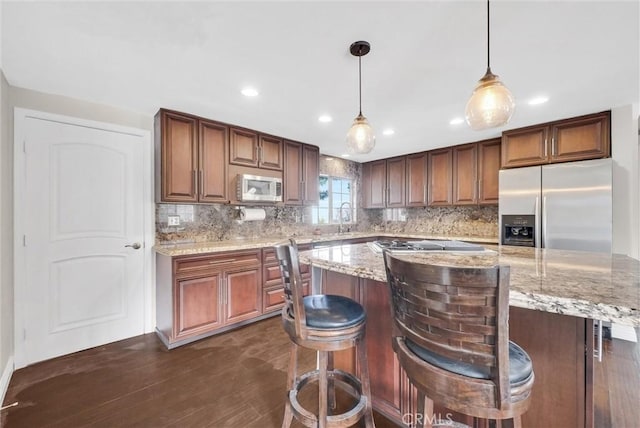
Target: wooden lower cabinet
273, 289
560, 346
243, 294
198, 305
200, 295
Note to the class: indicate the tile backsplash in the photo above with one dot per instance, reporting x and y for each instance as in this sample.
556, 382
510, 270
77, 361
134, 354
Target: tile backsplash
215, 222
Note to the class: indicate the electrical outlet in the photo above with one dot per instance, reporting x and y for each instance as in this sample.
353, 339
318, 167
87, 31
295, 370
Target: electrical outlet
173, 220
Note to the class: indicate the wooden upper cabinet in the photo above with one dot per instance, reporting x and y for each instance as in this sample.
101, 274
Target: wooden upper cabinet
488, 171
524, 146
465, 175
374, 178
310, 174
270, 152
243, 147
440, 174
586, 137
212, 162
396, 179
193, 159
176, 144
417, 180
579, 138
292, 173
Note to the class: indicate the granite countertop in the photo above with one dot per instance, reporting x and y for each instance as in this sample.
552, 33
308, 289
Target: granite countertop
588, 285
185, 249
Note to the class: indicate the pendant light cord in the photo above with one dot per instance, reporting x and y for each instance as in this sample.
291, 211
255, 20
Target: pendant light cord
488, 34
360, 81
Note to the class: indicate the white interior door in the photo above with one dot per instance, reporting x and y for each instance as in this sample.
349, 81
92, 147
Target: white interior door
83, 200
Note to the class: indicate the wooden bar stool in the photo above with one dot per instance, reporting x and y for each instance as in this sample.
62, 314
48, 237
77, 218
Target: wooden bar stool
325, 323
453, 340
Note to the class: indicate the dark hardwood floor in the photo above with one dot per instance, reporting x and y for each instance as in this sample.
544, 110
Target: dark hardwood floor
235, 379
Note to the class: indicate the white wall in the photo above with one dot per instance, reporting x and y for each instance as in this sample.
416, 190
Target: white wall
626, 183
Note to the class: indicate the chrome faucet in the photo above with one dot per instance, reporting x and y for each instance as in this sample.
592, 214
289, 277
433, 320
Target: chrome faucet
340, 217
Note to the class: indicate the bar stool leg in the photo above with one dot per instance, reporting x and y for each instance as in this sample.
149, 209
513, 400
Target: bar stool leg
331, 383
322, 390
361, 349
291, 378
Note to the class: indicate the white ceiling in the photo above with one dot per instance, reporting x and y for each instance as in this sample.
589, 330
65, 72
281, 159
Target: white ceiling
425, 60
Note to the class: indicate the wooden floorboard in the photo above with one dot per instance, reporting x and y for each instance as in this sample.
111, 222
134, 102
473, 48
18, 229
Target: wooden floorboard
236, 379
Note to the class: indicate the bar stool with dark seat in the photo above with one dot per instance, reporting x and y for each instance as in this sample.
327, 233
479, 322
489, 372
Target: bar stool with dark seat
324, 323
453, 340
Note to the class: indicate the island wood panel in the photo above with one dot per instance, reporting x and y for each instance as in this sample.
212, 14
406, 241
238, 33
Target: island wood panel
349, 286
561, 350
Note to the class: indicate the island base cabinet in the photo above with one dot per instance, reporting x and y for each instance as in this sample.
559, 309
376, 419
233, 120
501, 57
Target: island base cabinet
560, 346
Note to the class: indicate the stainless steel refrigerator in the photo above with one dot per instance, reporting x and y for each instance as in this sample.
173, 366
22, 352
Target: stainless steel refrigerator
563, 206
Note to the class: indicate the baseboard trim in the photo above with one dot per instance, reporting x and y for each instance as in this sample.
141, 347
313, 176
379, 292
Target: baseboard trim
6, 377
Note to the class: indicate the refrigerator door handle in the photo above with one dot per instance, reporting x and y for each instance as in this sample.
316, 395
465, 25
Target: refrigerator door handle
544, 221
536, 212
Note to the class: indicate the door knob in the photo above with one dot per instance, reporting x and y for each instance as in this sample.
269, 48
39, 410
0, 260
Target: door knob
135, 245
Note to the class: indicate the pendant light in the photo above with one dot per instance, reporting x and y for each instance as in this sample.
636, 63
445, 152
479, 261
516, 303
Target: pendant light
360, 138
491, 103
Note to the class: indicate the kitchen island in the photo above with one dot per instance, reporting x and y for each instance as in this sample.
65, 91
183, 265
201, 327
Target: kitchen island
555, 296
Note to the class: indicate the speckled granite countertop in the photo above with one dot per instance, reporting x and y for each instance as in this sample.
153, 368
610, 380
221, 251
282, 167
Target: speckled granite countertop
249, 243
582, 284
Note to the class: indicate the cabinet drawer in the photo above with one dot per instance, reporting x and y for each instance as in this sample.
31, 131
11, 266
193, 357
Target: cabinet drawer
273, 297
269, 257
196, 264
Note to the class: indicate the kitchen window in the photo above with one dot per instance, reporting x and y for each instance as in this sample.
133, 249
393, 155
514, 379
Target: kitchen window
336, 200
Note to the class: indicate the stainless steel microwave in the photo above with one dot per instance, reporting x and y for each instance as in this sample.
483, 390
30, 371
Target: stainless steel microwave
253, 188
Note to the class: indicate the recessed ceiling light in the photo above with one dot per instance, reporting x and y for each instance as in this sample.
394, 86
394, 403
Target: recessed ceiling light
456, 121
345, 155
538, 100
249, 92
325, 118
388, 131
328, 159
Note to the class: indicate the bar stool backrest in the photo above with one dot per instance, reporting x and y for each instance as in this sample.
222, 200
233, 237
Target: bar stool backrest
455, 312
287, 255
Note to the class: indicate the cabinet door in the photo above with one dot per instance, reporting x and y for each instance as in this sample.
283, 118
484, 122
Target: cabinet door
465, 174
310, 174
488, 171
213, 148
524, 146
396, 179
383, 364
178, 157
270, 153
273, 297
439, 171
243, 299
243, 146
586, 137
417, 180
292, 173
197, 305
374, 177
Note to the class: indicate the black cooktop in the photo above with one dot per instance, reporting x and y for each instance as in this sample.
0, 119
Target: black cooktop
426, 245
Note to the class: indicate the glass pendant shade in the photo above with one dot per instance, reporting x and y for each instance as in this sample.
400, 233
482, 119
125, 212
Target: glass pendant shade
360, 138
490, 105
